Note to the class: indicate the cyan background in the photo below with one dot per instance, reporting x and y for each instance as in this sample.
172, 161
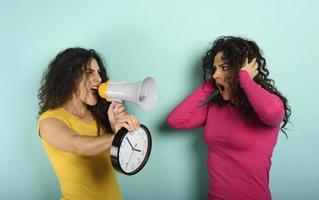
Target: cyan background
164, 39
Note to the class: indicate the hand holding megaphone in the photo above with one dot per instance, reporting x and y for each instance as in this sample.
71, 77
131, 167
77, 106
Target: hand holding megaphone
142, 93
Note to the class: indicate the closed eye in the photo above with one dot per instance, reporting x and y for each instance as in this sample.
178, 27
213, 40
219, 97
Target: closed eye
91, 71
88, 71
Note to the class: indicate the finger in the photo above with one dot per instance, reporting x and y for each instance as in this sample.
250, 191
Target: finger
125, 119
112, 105
255, 73
110, 110
131, 120
135, 122
122, 119
246, 61
116, 107
125, 125
255, 66
254, 60
120, 110
119, 103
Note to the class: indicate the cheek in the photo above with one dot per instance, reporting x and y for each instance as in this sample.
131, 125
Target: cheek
227, 82
225, 78
83, 90
84, 84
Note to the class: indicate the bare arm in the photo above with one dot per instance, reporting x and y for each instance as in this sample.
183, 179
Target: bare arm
60, 136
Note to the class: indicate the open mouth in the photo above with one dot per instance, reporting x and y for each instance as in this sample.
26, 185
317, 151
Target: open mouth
94, 90
220, 87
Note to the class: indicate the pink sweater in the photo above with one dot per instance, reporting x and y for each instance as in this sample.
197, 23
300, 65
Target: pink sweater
239, 151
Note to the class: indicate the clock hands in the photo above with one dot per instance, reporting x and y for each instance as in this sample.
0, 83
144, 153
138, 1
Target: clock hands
130, 157
133, 148
130, 143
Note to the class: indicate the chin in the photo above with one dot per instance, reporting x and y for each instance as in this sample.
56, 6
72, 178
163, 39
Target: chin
226, 98
91, 103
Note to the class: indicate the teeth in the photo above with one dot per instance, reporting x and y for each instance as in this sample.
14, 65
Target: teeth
94, 88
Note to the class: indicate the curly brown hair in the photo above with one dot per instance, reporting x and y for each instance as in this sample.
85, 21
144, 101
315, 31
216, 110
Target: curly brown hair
60, 81
235, 51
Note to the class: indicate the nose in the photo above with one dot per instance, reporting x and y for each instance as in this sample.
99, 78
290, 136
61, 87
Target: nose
97, 78
216, 74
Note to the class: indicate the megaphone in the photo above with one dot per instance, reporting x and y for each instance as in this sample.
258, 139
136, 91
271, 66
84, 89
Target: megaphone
142, 93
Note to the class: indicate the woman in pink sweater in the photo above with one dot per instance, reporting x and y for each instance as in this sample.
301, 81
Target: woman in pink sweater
242, 112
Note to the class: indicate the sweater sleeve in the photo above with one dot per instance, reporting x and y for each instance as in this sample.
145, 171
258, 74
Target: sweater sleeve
268, 106
190, 113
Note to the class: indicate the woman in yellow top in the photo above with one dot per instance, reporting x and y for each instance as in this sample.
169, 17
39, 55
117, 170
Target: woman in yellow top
77, 127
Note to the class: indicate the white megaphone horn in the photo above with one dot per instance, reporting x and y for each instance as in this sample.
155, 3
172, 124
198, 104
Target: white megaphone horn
142, 93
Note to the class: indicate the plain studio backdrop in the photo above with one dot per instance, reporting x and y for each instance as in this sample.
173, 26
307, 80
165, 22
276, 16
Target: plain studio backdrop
166, 40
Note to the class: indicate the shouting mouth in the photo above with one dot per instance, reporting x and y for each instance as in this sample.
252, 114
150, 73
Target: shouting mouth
94, 91
224, 90
220, 87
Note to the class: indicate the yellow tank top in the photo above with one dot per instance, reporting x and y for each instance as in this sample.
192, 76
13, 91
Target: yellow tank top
81, 177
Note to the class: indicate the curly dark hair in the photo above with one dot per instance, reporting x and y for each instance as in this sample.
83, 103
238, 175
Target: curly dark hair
60, 81
235, 51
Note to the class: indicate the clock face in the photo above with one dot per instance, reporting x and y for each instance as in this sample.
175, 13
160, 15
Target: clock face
132, 150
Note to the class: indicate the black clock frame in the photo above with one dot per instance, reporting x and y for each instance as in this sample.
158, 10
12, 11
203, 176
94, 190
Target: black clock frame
119, 136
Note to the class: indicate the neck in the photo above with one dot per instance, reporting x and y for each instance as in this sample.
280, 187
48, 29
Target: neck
77, 108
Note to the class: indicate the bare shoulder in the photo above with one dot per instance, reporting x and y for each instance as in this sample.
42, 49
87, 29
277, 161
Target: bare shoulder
51, 124
52, 127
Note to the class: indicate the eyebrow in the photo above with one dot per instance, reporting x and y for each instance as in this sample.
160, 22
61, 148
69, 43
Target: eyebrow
88, 69
222, 65
92, 70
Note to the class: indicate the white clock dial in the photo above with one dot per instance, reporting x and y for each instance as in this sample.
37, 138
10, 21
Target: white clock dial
130, 150
133, 150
